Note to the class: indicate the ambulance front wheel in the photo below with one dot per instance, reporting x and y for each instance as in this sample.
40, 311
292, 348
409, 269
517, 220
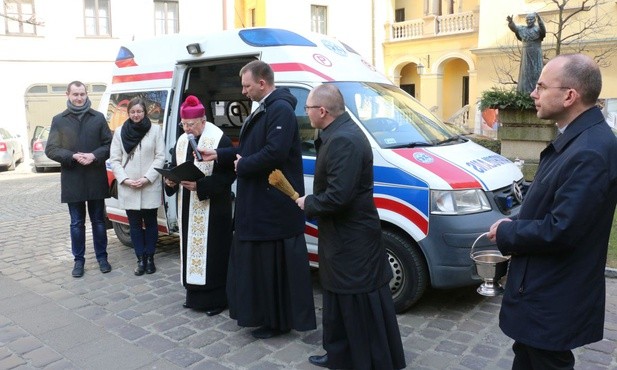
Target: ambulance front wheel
409, 268
123, 233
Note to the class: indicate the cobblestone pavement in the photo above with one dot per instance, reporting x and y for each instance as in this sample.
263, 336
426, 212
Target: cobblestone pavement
49, 320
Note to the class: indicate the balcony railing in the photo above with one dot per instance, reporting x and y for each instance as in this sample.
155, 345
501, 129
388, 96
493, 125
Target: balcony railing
433, 26
408, 29
455, 23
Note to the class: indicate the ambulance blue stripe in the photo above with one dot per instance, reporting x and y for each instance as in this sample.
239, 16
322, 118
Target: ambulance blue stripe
393, 182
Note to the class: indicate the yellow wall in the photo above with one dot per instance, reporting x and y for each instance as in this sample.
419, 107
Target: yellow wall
454, 71
440, 56
243, 16
413, 9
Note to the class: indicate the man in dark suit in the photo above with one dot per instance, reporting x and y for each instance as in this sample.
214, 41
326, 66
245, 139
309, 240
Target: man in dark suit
360, 330
555, 292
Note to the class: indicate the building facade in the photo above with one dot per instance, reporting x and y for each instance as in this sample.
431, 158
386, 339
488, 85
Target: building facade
46, 44
444, 52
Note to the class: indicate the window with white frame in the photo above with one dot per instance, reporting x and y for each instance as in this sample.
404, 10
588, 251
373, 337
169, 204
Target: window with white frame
319, 19
97, 18
20, 19
166, 18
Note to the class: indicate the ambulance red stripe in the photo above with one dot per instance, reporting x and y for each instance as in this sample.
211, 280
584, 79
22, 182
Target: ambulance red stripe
455, 176
143, 77
391, 205
297, 67
276, 67
409, 213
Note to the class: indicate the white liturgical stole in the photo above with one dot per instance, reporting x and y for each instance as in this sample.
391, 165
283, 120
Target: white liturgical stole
199, 210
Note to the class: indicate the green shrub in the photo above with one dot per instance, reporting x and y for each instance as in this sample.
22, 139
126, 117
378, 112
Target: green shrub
490, 144
500, 98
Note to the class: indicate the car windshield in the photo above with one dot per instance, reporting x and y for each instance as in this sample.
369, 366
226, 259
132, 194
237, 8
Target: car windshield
393, 117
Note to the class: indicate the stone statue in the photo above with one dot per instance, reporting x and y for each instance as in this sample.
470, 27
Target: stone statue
531, 61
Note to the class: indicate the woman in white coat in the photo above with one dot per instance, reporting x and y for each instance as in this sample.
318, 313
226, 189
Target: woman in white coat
136, 150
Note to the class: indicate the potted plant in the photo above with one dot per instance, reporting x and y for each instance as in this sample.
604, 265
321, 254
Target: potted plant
522, 134
514, 106
500, 98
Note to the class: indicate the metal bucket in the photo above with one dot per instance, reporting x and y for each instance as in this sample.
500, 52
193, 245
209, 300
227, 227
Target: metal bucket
491, 266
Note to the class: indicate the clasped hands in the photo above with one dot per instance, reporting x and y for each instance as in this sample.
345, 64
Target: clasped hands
136, 184
84, 158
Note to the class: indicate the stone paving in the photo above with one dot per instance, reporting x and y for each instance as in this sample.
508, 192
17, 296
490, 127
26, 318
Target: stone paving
49, 320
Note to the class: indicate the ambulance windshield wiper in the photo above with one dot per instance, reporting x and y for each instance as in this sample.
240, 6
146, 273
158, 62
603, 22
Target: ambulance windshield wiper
414, 144
453, 138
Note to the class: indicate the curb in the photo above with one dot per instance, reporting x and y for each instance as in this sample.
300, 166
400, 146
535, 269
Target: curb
610, 272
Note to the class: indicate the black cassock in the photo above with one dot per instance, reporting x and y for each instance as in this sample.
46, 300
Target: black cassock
217, 189
360, 329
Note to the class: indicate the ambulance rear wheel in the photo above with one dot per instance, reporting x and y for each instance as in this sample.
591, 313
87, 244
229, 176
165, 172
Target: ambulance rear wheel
409, 268
123, 233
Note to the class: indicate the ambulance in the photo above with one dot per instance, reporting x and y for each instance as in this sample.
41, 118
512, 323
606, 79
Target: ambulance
436, 191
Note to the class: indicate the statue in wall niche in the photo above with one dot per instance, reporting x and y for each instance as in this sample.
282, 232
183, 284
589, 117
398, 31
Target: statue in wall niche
531, 35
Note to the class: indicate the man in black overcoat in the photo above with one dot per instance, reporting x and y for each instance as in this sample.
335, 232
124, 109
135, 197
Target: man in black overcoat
79, 138
555, 292
360, 330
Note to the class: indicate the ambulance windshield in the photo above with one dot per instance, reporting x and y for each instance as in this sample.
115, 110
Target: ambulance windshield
394, 118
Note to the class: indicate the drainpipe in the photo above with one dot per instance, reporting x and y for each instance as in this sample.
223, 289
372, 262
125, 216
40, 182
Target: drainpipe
373, 32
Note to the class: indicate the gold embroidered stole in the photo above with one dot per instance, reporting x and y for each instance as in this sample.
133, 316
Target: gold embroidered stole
199, 211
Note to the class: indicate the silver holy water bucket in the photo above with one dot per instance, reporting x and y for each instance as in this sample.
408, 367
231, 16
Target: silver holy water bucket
491, 266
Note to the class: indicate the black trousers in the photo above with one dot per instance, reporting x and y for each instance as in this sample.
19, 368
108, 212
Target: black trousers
530, 358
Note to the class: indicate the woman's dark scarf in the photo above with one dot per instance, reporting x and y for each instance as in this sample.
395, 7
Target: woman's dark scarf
132, 133
78, 111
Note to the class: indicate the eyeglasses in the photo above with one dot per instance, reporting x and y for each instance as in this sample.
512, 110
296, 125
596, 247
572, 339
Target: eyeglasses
136, 112
187, 124
541, 87
307, 107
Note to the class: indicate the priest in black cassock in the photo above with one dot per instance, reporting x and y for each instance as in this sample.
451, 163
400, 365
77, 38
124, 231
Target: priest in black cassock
360, 330
205, 213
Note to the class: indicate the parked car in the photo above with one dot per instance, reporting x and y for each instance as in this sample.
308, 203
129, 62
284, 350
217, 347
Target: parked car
11, 150
37, 150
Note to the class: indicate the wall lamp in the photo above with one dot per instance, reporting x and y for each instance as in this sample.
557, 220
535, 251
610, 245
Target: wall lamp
194, 49
420, 67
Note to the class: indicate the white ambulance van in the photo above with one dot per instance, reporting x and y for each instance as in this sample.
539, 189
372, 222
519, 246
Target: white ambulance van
435, 190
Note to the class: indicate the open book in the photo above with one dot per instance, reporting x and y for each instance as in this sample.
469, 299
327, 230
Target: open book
187, 171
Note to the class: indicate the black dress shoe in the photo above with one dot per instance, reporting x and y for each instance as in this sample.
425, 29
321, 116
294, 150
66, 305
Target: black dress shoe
321, 361
185, 305
266, 332
215, 311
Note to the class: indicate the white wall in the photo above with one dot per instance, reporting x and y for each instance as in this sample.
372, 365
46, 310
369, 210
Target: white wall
348, 20
60, 52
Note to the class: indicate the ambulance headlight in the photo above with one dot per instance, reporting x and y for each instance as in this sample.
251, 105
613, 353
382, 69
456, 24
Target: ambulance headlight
458, 202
